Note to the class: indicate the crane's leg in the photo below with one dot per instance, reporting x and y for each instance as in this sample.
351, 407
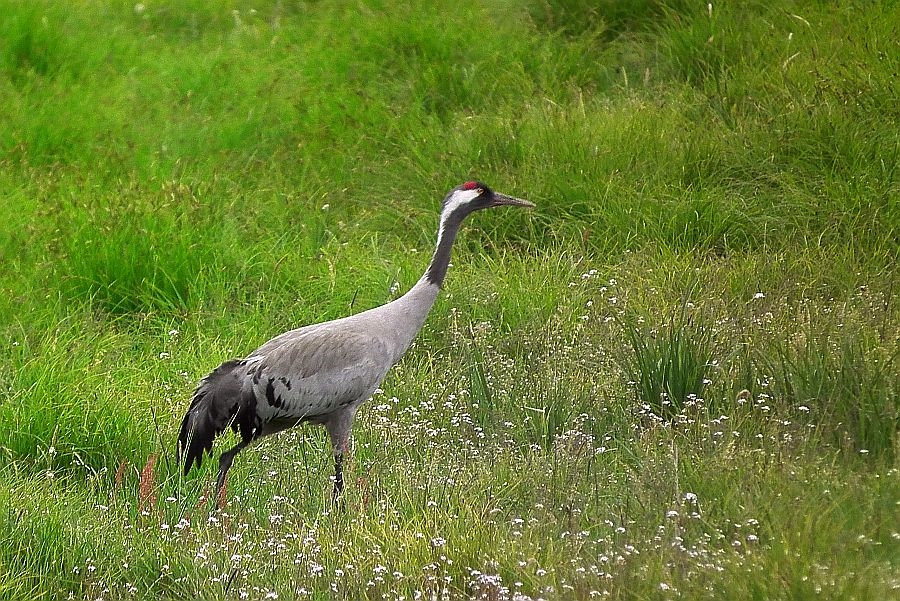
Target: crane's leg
225, 461
338, 426
338, 476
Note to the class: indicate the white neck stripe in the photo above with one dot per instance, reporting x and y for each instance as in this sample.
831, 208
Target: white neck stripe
459, 198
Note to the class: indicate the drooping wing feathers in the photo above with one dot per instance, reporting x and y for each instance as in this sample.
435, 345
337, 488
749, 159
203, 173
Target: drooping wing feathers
214, 407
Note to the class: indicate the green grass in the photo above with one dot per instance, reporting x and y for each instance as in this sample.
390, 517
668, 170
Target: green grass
669, 364
676, 378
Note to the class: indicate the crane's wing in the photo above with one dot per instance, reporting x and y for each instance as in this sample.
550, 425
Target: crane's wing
314, 371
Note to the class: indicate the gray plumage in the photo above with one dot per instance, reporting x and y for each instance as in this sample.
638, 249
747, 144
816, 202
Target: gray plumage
322, 373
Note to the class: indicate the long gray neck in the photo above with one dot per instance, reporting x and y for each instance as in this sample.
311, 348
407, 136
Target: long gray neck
440, 261
405, 316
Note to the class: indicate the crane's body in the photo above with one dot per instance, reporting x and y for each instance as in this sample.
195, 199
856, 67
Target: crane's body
322, 373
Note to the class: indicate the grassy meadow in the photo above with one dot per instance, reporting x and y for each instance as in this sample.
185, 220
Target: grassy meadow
676, 378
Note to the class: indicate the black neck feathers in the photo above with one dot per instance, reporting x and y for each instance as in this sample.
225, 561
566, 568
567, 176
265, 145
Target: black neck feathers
437, 270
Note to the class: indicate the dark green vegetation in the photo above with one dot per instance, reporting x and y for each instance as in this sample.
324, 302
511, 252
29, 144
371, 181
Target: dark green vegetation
678, 377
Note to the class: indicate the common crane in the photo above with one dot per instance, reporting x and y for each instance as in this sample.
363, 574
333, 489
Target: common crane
322, 373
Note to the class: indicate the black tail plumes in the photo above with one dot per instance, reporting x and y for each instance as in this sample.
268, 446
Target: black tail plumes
216, 405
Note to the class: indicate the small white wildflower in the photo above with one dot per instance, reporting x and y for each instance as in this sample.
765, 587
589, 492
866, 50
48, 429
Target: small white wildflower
758, 296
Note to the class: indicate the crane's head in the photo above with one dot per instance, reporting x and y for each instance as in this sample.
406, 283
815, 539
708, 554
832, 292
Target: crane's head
459, 202
472, 196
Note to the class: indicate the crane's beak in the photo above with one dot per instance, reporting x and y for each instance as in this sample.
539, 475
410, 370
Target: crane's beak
503, 199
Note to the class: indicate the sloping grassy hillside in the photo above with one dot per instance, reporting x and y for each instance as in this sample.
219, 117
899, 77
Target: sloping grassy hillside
676, 378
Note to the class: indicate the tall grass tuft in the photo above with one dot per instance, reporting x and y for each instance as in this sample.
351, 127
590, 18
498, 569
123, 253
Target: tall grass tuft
844, 375
669, 363
139, 256
138, 265
71, 403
